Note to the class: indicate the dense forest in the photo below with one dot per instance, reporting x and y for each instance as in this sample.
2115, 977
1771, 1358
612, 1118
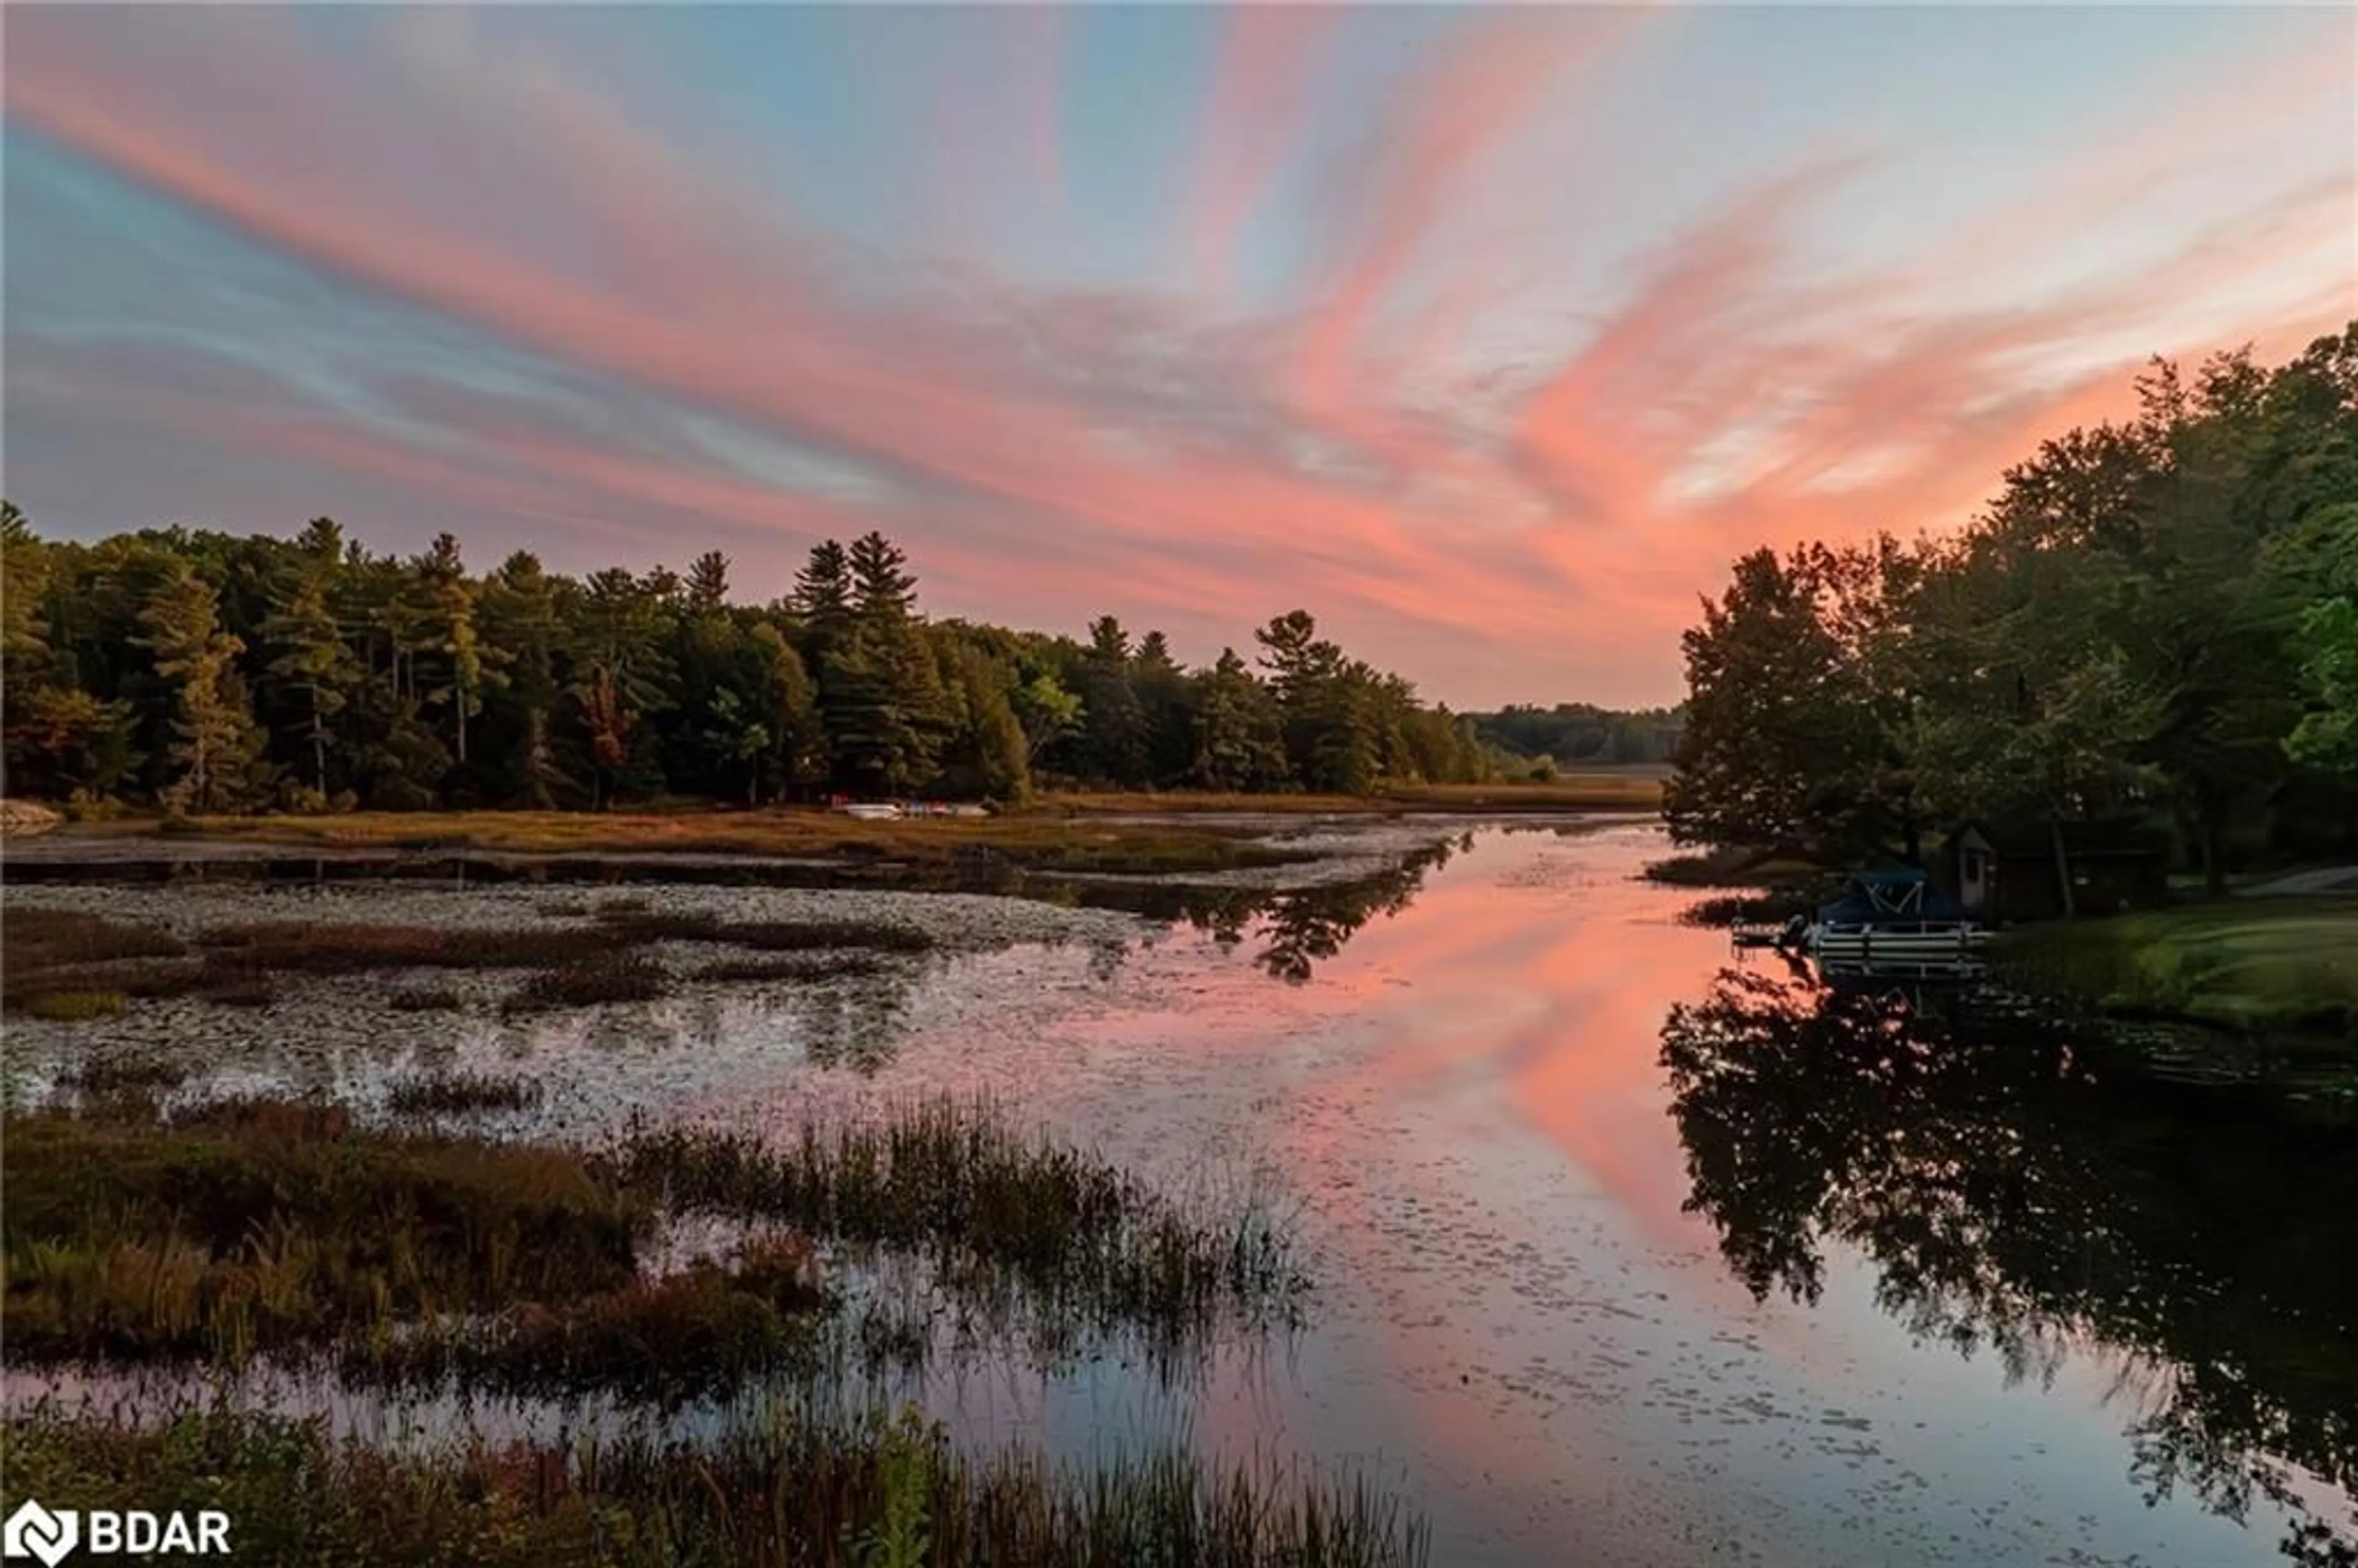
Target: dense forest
206, 672
1576, 734
2154, 619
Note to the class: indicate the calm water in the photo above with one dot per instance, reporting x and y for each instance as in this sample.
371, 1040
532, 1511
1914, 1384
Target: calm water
1626, 1255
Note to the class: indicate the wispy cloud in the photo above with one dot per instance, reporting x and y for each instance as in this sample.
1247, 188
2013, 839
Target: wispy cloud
669, 335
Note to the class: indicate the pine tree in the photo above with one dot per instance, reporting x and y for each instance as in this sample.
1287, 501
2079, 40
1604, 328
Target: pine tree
446, 617
315, 665
1113, 744
1239, 742
521, 617
214, 731
822, 595
708, 582
881, 587
621, 677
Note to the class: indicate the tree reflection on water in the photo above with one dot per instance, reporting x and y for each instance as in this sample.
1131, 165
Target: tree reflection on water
2034, 1192
1300, 928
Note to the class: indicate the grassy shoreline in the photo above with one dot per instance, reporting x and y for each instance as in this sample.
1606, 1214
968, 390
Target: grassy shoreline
2254, 965
1056, 832
1031, 842
1632, 791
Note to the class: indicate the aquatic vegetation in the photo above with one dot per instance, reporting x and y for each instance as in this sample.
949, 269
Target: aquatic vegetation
67, 965
1041, 842
47, 938
820, 965
951, 1180
799, 1490
448, 1092
765, 935
254, 1227
131, 1075
425, 999
589, 982
312, 948
695, 1334
72, 1007
805, 935
243, 991
632, 921
1620, 790
248, 1226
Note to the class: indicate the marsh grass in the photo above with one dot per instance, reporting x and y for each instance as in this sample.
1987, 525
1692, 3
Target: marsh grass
67, 965
1042, 842
950, 1179
764, 936
319, 949
1626, 790
50, 938
72, 1007
794, 966
79, 966
134, 1075
798, 1490
696, 1334
1724, 910
425, 999
818, 935
591, 982
246, 1227
1736, 869
448, 1093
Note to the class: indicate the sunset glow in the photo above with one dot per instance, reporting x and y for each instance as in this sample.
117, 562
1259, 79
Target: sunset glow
1490, 335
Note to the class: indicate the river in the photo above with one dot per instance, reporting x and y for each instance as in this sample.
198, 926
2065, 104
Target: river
1626, 1254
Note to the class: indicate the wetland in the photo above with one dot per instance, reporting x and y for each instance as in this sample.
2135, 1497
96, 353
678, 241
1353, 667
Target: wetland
1394, 1190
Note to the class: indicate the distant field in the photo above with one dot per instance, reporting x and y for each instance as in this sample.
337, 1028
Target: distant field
2255, 964
1623, 791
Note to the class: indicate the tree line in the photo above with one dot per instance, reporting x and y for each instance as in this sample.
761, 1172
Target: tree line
2154, 618
207, 672
1571, 734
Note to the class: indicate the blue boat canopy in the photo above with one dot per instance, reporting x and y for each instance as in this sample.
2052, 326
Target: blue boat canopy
1904, 893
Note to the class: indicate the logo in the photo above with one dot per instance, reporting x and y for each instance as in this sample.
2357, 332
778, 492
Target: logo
34, 1531
51, 1534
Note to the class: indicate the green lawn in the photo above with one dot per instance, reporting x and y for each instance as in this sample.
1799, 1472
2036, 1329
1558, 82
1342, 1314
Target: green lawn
2256, 963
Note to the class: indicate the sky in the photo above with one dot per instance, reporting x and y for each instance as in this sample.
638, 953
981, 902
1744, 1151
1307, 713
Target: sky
1490, 335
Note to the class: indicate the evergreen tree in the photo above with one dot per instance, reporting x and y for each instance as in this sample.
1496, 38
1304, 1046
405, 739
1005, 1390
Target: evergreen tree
708, 582
214, 735
521, 615
314, 665
1239, 744
1111, 745
822, 595
446, 616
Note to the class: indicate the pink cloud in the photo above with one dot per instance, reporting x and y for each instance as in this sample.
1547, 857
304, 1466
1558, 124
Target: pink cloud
1256, 108
1124, 444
